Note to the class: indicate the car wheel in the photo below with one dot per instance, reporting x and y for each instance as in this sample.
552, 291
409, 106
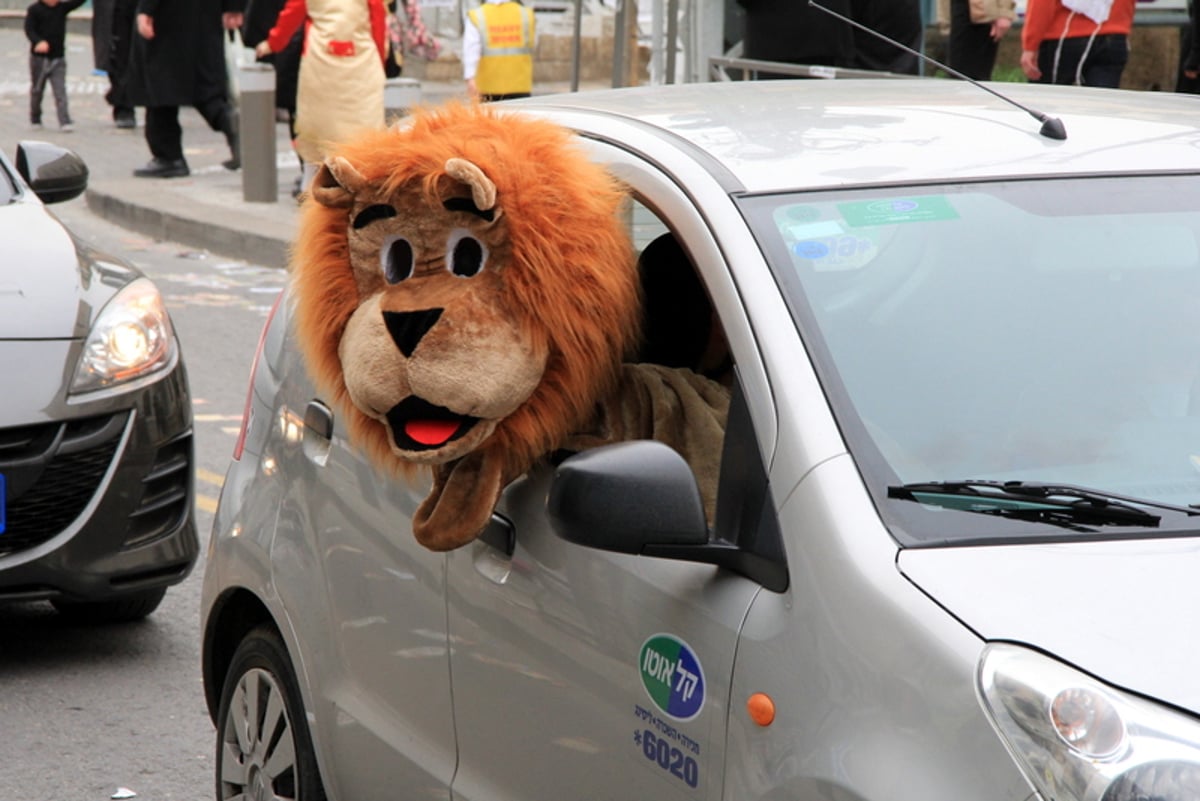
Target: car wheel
124, 609
264, 749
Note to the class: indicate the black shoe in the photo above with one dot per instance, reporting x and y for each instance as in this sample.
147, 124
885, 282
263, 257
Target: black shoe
230, 129
160, 168
125, 120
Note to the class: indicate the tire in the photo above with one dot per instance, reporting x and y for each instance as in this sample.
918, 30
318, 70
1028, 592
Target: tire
124, 609
264, 748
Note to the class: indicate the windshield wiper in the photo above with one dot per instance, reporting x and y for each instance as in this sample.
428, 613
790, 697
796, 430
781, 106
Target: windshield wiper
1060, 504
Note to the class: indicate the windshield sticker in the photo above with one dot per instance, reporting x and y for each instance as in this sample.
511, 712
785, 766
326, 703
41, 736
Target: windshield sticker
816, 230
897, 210
847, 252
824, 245
672, 676
660, 742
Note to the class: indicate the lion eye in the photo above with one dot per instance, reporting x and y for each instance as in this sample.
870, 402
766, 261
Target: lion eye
398, 260
465, 254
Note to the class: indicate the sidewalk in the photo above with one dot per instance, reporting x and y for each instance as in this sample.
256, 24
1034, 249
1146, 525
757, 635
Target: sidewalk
205, 210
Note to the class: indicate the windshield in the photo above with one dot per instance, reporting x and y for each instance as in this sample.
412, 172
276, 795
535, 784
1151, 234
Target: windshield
1043, 331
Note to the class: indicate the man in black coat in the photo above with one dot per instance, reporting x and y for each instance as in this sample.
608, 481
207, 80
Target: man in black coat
178, 59
899, 20
791, 31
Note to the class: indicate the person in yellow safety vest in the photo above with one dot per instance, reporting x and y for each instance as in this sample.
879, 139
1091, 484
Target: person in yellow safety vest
498, 42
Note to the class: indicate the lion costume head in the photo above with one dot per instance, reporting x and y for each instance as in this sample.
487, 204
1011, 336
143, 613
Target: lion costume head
465, 292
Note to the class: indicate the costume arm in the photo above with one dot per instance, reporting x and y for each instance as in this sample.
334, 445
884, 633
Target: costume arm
677, 407
70, 5
293, 14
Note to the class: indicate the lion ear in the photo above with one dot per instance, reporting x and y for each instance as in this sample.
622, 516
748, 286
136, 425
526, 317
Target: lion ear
483, 191
336, 183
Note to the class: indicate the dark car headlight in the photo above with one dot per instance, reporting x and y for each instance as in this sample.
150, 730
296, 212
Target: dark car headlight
1076, 739
132, 337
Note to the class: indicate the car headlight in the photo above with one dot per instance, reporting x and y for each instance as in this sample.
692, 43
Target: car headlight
1076, 739
131, 337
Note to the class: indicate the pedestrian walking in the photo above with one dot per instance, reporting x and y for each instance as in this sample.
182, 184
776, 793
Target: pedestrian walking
1188, 81
46, 29
976, 28
114, 41
340, 87
259, 18
498, 45
178, 59
898, 20
1080, 42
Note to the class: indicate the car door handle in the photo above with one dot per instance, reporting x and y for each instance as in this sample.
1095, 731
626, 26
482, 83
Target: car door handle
494, 562
500, 534
318, 432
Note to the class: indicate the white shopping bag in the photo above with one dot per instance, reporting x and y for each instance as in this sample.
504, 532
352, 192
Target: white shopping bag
1096, 10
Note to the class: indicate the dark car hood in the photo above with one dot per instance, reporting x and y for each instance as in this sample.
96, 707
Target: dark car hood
46, 289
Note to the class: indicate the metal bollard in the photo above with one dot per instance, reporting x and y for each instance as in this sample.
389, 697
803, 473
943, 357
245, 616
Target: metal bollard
260, 178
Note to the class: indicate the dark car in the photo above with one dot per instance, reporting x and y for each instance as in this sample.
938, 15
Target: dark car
96, 507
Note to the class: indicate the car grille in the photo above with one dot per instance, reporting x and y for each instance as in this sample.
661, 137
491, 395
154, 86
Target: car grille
166, 494
52, 470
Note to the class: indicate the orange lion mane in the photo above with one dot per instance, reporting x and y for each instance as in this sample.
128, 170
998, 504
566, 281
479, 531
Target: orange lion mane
562, 271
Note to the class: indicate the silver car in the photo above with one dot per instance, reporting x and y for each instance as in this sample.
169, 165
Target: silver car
956, 549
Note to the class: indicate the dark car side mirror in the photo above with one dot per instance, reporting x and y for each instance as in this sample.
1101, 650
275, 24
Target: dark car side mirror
54, 173
640, 497
627, 497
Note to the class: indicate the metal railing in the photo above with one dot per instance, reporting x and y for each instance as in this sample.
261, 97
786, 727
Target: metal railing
749, 69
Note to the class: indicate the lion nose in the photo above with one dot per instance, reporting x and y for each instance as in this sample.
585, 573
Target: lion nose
407, 328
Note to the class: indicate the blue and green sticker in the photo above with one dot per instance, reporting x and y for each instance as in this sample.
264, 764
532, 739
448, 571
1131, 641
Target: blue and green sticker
672, 676
892, 211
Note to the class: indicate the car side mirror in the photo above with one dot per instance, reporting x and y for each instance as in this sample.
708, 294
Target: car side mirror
629, 497
54, 173
641, 497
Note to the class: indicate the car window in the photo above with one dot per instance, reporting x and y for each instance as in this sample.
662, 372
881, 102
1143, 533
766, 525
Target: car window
682, 329
680, 326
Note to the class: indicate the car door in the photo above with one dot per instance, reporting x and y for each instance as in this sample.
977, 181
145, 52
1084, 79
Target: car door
376, 647
584, 673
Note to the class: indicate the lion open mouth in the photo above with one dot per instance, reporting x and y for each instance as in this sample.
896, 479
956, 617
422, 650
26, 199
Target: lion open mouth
418, 425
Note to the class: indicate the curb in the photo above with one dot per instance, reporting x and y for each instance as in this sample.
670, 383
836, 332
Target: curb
202, 228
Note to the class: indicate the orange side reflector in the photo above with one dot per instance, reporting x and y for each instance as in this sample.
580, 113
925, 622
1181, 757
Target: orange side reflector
761, 709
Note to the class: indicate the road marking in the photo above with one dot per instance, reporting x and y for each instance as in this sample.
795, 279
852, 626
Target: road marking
208, 503
209, 477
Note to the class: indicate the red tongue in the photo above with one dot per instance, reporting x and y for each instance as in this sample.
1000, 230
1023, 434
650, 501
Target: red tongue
430, 432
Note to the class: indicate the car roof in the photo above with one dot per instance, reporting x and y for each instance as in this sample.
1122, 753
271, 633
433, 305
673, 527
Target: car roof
766, 136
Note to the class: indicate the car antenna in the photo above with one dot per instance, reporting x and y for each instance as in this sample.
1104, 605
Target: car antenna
1052, 127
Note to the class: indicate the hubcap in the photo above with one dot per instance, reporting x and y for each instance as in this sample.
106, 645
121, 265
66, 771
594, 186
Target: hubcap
258, 759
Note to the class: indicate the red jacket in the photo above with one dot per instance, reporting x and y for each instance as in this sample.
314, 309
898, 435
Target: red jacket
1047, 19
